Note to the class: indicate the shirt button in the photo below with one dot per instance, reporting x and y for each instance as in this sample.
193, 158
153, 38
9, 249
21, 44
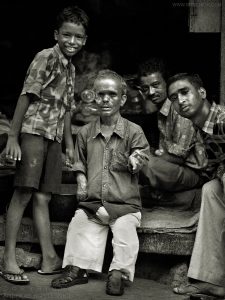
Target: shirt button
105, 167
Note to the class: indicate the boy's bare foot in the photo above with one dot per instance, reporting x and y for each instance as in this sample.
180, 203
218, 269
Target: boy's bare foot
201, 288
11, 272
10, 265
51, 266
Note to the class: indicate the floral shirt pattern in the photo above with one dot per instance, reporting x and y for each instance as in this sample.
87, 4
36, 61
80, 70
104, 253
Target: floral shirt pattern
179, 137
50, 77
213, 134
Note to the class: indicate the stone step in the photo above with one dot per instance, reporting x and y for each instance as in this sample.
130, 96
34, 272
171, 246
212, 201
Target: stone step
150, 242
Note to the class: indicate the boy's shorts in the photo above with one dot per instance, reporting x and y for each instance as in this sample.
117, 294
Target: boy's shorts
41, 164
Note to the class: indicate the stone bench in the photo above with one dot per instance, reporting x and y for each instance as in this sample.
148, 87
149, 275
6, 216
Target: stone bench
150, 241
163, 256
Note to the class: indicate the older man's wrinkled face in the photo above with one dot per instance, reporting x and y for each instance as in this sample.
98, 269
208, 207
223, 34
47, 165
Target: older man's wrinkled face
109, 97
153, 88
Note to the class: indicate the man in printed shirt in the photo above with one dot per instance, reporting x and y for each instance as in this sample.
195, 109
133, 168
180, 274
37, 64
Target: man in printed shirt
177, 164
109, 153
42, 114
207, 266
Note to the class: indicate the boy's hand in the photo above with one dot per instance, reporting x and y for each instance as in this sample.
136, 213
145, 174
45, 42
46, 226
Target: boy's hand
69, 157
136, 161
13, 150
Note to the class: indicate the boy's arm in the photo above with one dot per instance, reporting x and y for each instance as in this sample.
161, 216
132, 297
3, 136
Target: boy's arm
80, 166
68, 139
13, 150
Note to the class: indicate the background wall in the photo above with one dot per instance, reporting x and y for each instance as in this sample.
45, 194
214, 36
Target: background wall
131, 30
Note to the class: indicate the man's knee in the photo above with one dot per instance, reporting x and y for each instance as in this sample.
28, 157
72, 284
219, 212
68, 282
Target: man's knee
211, 187
211, 191
127, 224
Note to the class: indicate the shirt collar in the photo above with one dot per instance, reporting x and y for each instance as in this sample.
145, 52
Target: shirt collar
62, 58
119, 129
165, 107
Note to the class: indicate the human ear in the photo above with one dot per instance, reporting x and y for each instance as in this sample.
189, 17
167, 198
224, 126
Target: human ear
123, 100
85, 40
202, 92
56, 35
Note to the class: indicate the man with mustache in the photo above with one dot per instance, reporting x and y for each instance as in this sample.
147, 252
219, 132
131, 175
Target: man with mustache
177, 165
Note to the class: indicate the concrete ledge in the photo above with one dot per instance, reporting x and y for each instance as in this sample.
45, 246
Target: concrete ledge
167, 243
160, 243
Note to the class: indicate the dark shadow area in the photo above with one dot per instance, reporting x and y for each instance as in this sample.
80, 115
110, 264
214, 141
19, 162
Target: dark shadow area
131, 30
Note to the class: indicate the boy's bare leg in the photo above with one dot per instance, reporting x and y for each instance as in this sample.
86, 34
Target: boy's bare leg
18, 203
50, 259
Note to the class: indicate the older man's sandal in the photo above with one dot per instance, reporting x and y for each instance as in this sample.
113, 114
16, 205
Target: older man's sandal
71, 275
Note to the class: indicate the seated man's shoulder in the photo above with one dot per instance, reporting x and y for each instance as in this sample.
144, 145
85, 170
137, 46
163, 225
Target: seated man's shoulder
87, 127
133, 126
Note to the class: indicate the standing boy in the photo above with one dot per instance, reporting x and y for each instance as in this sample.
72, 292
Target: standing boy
108, 155
42, 114
207, 265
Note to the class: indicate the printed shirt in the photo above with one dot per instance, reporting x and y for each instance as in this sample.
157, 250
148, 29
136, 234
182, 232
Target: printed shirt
178, 137
213, 134
105, 164
51, 78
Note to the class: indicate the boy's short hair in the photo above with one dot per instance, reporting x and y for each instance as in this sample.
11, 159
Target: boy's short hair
194, 79
72, 14
111, 74
153, 65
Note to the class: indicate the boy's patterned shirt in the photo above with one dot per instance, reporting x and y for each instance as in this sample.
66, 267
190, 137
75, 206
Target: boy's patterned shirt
51, 78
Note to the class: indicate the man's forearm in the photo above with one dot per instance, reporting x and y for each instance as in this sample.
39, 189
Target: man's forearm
172, 158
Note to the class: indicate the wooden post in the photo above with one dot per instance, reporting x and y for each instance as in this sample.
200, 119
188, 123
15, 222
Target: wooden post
222, 57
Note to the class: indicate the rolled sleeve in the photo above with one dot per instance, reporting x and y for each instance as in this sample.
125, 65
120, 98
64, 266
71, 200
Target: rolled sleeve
36, 75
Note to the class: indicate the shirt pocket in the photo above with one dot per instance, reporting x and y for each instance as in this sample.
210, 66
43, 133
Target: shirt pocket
120, 161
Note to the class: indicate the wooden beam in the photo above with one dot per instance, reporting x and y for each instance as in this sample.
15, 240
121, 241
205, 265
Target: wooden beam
204, 15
